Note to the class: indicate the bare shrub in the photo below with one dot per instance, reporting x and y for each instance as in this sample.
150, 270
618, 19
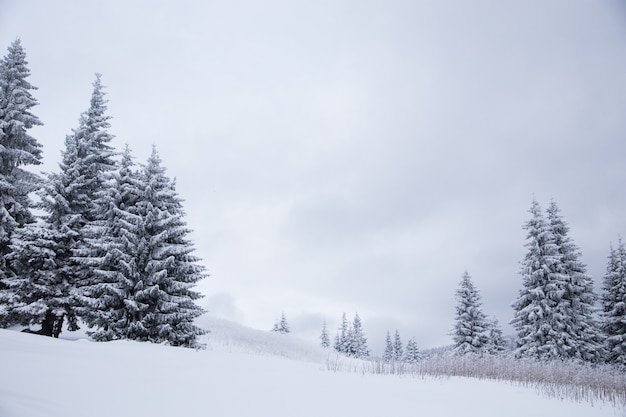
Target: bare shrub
561, 379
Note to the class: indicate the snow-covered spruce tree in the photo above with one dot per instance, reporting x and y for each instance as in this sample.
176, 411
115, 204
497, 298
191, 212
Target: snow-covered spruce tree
341, 338
580, 336
470, 329
95, 164
44, 287
140, 260
538, 324
69, 200
17, 149
398, 349
112, 243
496, 344
324, 339
40, 290
412, 353
357, 342
388, 355
88, 160
160, 307
614, 306
281, 326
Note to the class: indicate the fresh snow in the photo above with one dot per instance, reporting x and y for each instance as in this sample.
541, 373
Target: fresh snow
242, 372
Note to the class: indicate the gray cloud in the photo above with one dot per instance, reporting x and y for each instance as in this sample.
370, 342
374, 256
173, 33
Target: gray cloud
353, 156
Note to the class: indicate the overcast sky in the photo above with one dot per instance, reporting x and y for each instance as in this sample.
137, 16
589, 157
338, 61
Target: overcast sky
352, 156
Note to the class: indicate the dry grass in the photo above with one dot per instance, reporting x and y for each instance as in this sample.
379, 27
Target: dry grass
558, 379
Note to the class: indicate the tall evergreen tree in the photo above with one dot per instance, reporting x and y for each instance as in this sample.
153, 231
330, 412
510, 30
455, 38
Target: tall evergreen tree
161, 305
324, 339
281, 326
112, 244
69, 200
39, 292
99, 154
94, 168
470, 330
543, 319
534, 308
579, 332
398, 349
17, 149
88, 160
614, 306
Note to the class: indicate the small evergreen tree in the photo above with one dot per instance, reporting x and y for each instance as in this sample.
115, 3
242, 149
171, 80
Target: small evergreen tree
341, 338
470, 323
614, 306
496, 344
398, 349
412, 353
350, 339
357, 342
388, 354
281, 326
324, 339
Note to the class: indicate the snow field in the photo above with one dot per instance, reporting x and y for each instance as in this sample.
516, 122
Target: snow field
282, 377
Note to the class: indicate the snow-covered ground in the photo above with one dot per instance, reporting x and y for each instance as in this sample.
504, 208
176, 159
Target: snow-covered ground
242, 372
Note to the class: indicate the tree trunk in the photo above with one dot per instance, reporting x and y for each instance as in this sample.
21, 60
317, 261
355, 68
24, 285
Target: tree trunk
51, 324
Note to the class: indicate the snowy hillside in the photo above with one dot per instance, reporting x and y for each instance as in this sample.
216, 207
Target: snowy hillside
242, 372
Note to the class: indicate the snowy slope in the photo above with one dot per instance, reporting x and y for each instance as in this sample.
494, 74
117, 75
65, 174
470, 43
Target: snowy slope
241, 373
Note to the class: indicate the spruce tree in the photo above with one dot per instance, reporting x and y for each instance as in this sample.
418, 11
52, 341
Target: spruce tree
579, 332
94, 146
113, 242
470, 330
161, 305
40, 290
341, 338
537, 321
388, 355
350, 339
412, 353
69, 200
324, 339
140, 261
357, 342
17, 150
614, 306
281, 326
95, 164
496, 344
398, 349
